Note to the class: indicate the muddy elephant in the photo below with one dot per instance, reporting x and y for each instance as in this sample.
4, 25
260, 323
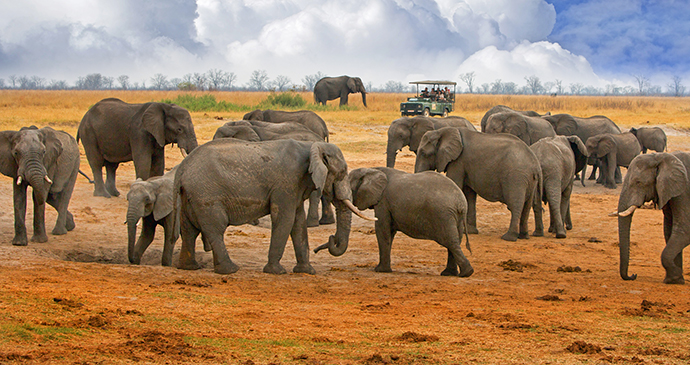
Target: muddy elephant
113, 131
152, 202
557, 157
528, 129
426, 205
48, 161
498, 167
663, 179
652, 138
502, 109
307, 118
254, 131
229, 182
408, 132
331, 88
613, 150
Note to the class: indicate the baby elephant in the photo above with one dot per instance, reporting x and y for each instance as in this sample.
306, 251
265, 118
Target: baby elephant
425, 205
151, 200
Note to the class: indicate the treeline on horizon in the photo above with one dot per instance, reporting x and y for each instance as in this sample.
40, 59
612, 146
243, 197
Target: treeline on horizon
219, 80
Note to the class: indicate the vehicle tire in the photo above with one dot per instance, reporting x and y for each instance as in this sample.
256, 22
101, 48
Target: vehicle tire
445, 113
425, 112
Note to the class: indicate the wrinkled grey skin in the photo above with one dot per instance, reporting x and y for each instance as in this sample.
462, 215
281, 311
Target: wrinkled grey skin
652, 138
113, 131
229, 182
151, 201
528, 129
502, 109
331, 88
613, 150
408, 132
48, 161
426, 205
663, 179
307, 118
255, 131
498, 167
557, 156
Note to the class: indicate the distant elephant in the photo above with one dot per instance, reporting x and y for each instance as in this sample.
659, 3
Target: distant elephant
331, 88
113, 131
528, 129
151, 200
48, 160
307, 118
229, 182
653, 138
613, 150
557, 156
407, 131
502, 109
426, 205
254, 131
498, 167
663, 179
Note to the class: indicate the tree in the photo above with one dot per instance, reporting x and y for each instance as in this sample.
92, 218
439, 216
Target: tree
468, 79
676, 87
510, 88
534, 85
159, 81
124, 81
311, 80
13, 80
108, 82
576, 88
218, 79
199, 80
497, 87
642, 83
2, 83
559, 87
394, 87
258, 80
58, 85
281, 81
90, 82
484, 89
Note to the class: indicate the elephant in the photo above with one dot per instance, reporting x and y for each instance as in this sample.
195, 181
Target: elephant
502, 109
557, 157
653, 138
613, 150
152, 202
254, 131
498, 167
307, 118
229, 182
528, 129
426, 205
330, 88
663, 179
407, 131
48, 160
113, 131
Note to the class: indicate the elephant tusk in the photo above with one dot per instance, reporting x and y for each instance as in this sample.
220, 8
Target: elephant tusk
624, 213
48, 180
354, 209
183, 152
19, 180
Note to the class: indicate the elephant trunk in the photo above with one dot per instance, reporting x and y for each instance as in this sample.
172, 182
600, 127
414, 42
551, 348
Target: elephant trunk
37, 176
364, 98
626, 208
338, 243
583, 173
132, 220
391, 152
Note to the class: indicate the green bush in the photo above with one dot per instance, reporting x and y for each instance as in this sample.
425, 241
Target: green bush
205, 103
288, 100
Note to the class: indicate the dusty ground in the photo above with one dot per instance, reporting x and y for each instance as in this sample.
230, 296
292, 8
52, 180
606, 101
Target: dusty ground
76, 300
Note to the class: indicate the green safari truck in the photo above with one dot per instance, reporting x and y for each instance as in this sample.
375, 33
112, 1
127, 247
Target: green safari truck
435, 98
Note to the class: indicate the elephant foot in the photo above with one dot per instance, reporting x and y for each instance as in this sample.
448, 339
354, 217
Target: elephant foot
20, 241
510, 236
472, 230
112, 191
255, 222
69, 222
569, 226
467, 272
538, 233
191, 265
560, 235
59, 231
41, 238
450, 272
135, 260
610, 186
674, 280
276, 269
312, 222
327, 219
383, 268
523, 236
101, 193
226, 268
304, 269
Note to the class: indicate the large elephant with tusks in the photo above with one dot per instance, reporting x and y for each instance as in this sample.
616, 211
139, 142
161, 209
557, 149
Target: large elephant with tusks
331, 88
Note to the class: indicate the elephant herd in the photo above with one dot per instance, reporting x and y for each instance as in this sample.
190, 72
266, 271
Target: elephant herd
270, 162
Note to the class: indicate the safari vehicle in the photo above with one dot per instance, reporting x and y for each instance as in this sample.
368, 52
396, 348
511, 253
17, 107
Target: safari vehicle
428, 102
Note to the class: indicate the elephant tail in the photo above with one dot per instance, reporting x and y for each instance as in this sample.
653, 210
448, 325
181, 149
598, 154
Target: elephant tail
86, 176
463, 224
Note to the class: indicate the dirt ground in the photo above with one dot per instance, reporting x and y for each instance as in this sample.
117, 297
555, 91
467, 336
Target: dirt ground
76, 299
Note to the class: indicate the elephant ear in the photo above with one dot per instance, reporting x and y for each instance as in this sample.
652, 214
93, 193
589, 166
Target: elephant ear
153, 122
352, 85
418, 128
577, 146
449, 147
53, 146
671, 178
367, 187
605, 146
164, 200
566, 126
317, 167
8, 165
517, 126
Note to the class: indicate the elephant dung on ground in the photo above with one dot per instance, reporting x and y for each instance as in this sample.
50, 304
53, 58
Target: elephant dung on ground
613, 150
113, 131
652, 138
307, 118
502, 109
528, 129
408, 131
663, 179
48, 161
426, 205
331, 88
557, 156
498, 167
152, 202
229, 182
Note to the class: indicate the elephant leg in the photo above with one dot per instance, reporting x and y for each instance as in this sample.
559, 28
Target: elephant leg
451, 266
148, 231
618, 175
384, 238
327, 214
343, 98
157, 163
454, 249
110, 169
188, 234
538, 215
221, 260
282, 221
96, 162
555, 199
524, 219
69, 221
595, 166
516, 205
672, 259
39, 221
313, 215
565, 207
300, 243
471, 197
169, 242
54, 200
610, 168
20, 236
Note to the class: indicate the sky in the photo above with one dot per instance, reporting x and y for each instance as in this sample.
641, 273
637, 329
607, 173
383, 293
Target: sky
593, 42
